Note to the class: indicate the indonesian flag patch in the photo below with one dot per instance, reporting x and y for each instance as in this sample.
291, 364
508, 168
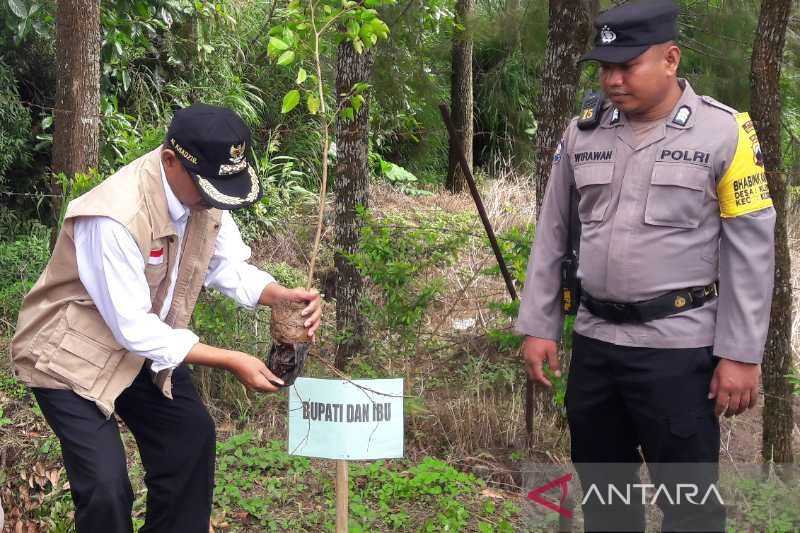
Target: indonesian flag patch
156, 257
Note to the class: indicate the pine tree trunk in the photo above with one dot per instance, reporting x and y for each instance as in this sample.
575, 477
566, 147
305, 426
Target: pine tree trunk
765, 105
567, 34
352, 190
76, 118
461, 99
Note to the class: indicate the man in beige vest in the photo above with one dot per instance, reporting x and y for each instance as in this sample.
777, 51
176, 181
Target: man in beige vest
104, 330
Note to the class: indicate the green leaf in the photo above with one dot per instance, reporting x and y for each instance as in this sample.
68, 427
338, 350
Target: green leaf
286, 58
348, 113
18, 8
277, 45
396, 174
302, 75
357, 101
290, 101
312, 102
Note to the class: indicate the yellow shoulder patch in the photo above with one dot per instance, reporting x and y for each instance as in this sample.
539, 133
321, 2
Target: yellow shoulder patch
743, 189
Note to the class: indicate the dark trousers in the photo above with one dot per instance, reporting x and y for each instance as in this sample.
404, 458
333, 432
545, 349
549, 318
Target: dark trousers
621, 398
176, 441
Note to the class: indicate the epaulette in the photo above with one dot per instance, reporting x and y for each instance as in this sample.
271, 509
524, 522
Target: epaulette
719, 105
592, 110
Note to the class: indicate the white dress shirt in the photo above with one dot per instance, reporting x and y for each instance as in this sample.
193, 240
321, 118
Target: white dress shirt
111, 267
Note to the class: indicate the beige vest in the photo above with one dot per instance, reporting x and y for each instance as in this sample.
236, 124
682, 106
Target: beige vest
61, 341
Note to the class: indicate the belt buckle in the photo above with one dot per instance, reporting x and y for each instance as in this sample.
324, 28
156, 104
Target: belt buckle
714, 290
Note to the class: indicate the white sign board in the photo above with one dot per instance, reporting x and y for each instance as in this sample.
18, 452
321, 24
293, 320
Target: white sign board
339, 419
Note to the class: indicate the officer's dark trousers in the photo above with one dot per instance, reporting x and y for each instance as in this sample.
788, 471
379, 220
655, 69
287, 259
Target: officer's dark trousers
621, 398
176, 441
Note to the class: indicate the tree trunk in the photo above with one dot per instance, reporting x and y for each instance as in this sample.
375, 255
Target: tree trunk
765, 73
567, 34
352, 190
461, 100
76, 117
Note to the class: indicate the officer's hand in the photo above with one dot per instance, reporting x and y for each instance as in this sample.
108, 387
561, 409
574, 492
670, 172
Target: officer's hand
253, 373
536, 351
735, 386
312, 312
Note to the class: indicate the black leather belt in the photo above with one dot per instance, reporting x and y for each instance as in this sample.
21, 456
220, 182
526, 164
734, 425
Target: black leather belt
659, 307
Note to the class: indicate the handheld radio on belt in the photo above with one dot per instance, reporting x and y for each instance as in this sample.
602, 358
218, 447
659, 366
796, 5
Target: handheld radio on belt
570, 284
589, 118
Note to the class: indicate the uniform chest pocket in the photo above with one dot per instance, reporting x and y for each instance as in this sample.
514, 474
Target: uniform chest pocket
594, 190
676, 196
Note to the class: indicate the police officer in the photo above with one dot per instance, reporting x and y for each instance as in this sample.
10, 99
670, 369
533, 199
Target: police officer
676, 266
105, 329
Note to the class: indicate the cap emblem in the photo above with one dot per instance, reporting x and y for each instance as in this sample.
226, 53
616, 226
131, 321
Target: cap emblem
237, 153
607, 36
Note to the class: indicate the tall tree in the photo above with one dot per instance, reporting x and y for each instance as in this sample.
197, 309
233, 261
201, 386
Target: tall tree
567, 35
765, 73
76, 117
461, 99
352, 190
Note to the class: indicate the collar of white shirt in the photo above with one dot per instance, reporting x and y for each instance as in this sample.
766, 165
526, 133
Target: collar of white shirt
177, 210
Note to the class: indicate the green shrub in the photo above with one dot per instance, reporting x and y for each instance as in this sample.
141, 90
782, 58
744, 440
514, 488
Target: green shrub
21, 262
396, 255
15, 128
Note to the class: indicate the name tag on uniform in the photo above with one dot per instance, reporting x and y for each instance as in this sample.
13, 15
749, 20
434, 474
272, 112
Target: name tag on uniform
156, 257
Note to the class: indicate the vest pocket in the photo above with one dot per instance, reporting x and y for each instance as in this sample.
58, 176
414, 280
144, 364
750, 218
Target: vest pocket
81, 360
155, 275
594, 191
676, 194
79, 357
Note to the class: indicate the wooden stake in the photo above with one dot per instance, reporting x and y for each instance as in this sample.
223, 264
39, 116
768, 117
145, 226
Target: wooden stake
342, 494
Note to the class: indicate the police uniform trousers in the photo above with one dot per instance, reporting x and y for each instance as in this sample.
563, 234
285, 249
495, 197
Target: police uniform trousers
176, 440
624, 403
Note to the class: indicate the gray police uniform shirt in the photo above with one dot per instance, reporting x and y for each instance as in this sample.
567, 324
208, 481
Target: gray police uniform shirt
686, 206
